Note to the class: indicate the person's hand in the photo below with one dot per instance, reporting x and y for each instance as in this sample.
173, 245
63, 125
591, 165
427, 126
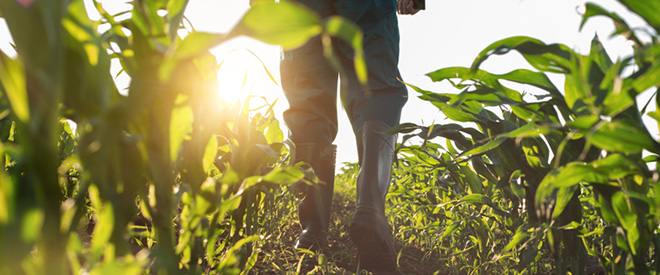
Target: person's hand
405, 7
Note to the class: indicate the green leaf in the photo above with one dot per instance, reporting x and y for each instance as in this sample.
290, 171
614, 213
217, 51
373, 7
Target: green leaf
148, 11
536, 152
617, 136
647, 9
209, 153
229, 258
528, 130
649, 79
536, 79
176, 7
252, 260
584, 122
12, 78
599, 55
457, 114
617, 101
7, 200
229, 205
195, 44
613, 167
550, 58
31, 224
175, 10
606, 211
480, 76
36, 30
483, 95
480, 149
592, 10
403, 128
451, 229
623, 212
82, 30
274, 133
603, 171
285, 23
515, 184
621, 241
564, 196
628, 220
651, 158
282, 175
476, 198
230, 177
125, 266
180, 129
105, 223
351, 34
250, 181
518, 238
471, 178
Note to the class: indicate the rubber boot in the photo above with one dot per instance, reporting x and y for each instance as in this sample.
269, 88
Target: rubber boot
369, 228
316, 200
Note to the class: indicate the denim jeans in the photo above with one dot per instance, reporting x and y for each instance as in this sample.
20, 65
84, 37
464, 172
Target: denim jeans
310, 82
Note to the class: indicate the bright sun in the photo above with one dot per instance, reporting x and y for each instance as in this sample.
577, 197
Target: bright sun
246, 67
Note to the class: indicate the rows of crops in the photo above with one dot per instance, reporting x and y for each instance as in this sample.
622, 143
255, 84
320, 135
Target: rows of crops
166, 177
556, 175
163, 177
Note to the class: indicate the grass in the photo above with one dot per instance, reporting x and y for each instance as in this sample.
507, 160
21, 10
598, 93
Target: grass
277, 255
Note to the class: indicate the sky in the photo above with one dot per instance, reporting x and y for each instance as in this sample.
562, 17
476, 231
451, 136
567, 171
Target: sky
446, 34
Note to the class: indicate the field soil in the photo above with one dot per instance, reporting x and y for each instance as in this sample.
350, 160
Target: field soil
341, 255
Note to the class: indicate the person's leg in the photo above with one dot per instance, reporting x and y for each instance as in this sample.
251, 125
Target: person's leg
372, 111
385, 95
310, 86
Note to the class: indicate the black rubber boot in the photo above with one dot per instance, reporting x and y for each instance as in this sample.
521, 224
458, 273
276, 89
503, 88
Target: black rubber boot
369, 228
315, 201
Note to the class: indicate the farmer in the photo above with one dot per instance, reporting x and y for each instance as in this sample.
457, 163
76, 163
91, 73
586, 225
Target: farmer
310, 86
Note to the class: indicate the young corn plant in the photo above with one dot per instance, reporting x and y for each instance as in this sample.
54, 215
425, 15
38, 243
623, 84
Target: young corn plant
561, 174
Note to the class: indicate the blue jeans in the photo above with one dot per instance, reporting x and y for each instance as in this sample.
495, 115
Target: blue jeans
310, 82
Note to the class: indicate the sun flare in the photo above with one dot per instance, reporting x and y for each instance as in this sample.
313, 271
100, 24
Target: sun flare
247, 68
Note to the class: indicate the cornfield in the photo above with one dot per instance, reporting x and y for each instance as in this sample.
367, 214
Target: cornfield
168, 178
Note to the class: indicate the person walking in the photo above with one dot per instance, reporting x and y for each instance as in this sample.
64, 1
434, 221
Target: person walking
310, 85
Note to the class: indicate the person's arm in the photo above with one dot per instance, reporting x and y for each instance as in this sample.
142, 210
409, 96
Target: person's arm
408, 7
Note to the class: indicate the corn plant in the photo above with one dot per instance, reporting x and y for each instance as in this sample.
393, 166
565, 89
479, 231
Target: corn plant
561, 174
163, 177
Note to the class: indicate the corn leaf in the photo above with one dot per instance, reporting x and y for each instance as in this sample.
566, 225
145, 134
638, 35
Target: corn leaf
485, 147
548, 58
352, 35
564, 196
285, 23
619, 137
12, 77
210, 152
180, 128
647, 9
287, 175
627, 218
518, 238
476, 198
